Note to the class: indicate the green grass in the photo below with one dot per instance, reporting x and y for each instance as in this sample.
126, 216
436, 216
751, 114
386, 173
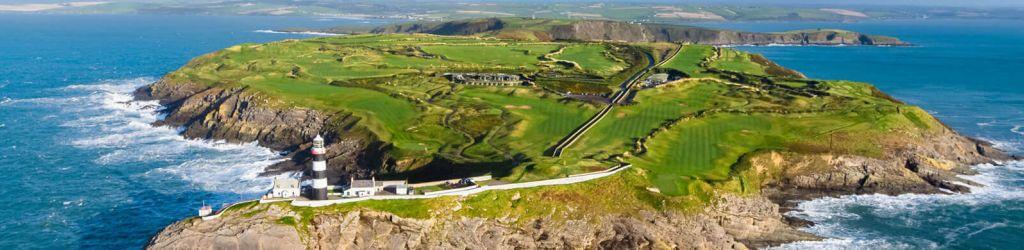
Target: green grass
379, 78
540, 122
735, 60
288, 220
688, 60
514, 56
390, 118
593, 58
652, 108
706, 149
390, 86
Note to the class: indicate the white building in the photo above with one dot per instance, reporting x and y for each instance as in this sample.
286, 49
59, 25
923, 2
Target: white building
205, 210
401, 189
656, 79
363, 188
284, 188
360, 188
395, 187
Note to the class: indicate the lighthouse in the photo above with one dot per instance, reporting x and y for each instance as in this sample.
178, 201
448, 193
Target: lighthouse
319, 169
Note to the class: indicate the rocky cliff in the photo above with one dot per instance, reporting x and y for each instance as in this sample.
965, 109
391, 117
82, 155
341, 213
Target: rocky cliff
732, 222
929, 165
601, 30
238, 115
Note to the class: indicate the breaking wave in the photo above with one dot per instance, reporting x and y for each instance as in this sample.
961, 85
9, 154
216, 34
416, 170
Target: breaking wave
309, 33
120, 128
836, 217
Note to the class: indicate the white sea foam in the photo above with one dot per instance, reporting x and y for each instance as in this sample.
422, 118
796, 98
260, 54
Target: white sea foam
1017, 129
309, 33
110, 120
831, 213
1008, 146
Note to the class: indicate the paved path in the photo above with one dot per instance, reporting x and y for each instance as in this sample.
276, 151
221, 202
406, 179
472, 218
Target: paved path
222, 209
471, 189
624, 89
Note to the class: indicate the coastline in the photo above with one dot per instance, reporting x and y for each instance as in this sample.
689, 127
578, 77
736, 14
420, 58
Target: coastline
178, 98
826, 215
310, 33
897, 172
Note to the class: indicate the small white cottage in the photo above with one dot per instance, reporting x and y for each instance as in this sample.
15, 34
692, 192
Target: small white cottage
284, 188
361, 188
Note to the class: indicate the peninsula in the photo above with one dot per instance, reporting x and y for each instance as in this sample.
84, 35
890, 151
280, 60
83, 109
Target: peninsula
539, 29
719, 142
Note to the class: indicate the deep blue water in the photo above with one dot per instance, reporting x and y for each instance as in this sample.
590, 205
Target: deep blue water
83, 169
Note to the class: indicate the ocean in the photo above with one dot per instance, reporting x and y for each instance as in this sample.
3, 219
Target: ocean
84, 170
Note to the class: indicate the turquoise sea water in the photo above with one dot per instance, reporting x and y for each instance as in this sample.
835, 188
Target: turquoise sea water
83, 169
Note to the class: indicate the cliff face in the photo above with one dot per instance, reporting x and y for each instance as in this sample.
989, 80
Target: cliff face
730, 223
600, 30
240, 116
927, 166
619, 31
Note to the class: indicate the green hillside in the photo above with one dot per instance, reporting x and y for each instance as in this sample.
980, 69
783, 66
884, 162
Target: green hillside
688, 138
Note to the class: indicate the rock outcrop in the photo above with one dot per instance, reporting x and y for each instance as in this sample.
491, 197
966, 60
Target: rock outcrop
240, 116
928, 166
731, 222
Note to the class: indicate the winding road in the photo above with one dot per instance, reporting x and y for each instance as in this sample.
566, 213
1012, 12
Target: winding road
624, 90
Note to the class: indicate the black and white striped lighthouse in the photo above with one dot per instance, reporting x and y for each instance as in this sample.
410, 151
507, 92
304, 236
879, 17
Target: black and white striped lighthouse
319, 169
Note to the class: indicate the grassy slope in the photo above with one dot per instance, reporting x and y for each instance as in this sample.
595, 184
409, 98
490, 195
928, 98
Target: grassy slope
386, 81
735, 60
511, 57
689, 59
686, 159
592, 56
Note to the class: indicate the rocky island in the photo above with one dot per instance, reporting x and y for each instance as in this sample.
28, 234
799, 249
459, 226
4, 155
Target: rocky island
721, 141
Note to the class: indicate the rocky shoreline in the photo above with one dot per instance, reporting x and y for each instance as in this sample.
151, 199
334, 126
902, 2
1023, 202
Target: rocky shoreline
927, 166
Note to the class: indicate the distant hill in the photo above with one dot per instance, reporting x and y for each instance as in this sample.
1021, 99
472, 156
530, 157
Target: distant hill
604, 30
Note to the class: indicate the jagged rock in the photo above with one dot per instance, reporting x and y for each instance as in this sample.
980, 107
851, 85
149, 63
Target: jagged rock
731, 222
238, 115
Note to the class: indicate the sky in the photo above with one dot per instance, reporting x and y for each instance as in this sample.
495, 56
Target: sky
957, 3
